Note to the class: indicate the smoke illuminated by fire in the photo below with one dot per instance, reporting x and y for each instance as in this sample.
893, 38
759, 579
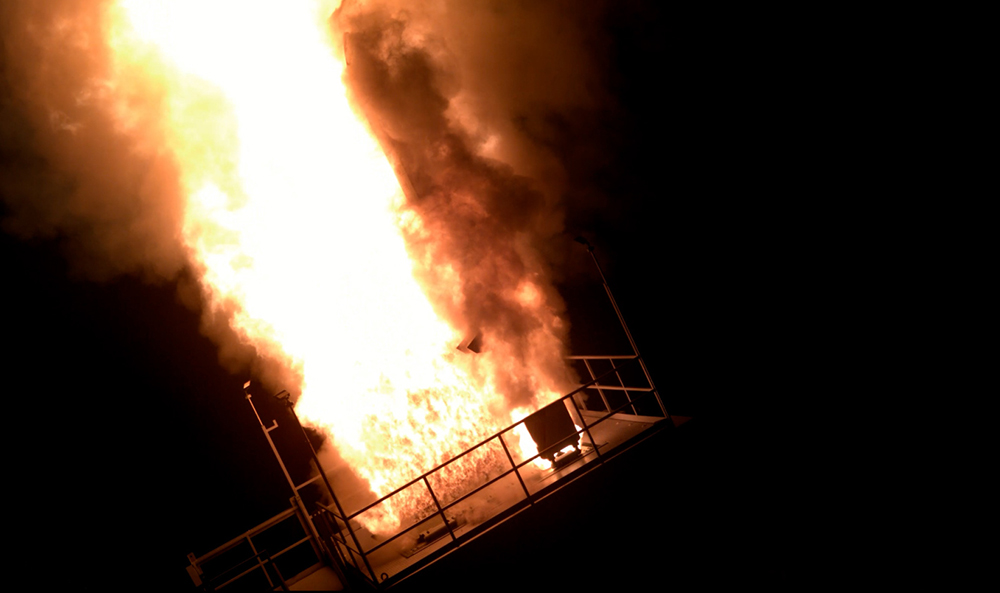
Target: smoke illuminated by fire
341, 229
297, 222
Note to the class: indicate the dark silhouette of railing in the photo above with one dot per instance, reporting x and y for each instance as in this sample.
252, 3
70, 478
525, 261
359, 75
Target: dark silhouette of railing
338, 529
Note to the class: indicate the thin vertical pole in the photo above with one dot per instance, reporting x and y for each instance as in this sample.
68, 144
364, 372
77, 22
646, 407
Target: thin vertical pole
622, 383
315, 458
621, 319
440, 510
329, 488
593, 377
295, 490
587, 430
260, 563
514, 467
267, 435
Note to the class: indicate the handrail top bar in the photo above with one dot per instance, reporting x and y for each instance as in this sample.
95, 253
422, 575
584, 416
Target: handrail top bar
480, 444
591, 383
331, 511
589, 357
620, 388
307, 482
260, 559
481, 487
258, 563
248, 533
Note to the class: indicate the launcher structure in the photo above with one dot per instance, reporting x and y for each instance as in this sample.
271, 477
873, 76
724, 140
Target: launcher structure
324, 545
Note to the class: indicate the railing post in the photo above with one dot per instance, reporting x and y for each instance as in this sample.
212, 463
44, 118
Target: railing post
194, 571
586, 429
621, 319
307, 526
514, 467
440, 510
364, 557
259, 563
624, 388
593, 377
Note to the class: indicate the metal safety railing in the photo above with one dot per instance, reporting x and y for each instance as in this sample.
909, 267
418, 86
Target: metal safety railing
618, 365
334, 533
242, 556
340, 530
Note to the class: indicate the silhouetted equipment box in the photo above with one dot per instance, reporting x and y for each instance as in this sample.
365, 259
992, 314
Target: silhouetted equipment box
552, 429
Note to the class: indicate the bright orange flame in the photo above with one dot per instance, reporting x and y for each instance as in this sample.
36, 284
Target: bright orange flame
292, 217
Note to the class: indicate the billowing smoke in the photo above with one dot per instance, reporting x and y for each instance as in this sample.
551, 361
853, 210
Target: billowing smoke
72, 168
480, 104
84, 164
463, 96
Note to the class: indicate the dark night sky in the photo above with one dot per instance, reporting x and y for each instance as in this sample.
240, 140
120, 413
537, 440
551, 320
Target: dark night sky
132, 447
